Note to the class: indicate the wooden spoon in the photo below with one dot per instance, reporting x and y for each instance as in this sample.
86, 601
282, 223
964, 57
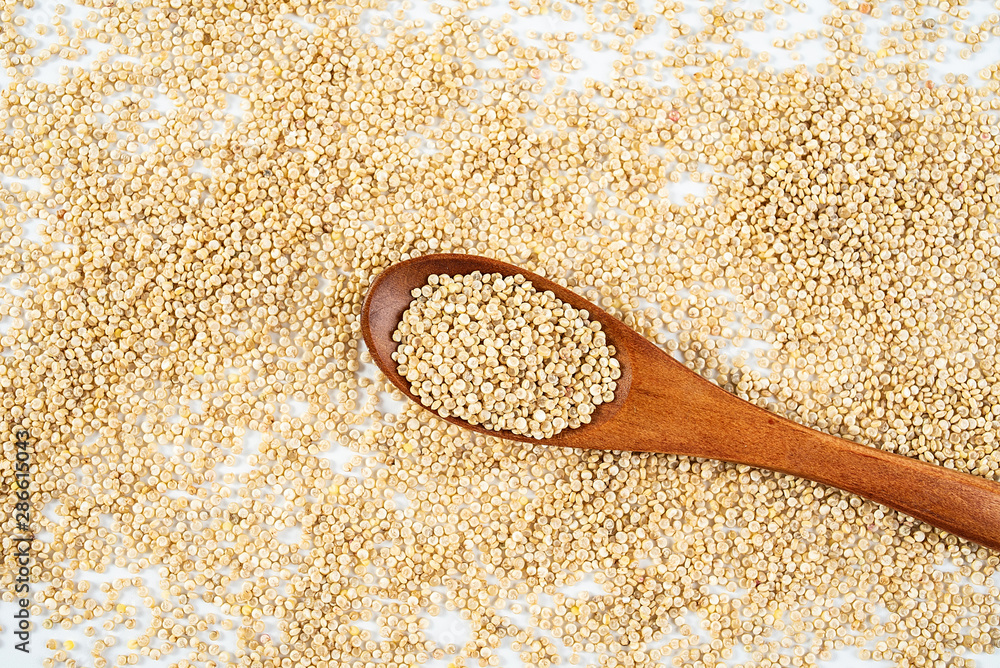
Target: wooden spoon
661, 406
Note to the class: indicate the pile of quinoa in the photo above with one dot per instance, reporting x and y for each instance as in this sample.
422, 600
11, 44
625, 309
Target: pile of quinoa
181, 280
497, 353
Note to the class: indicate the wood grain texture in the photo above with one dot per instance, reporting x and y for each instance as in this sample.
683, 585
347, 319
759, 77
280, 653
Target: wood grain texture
662, 406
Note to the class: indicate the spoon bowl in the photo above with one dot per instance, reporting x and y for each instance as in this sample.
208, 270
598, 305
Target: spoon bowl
662, 406
390, 295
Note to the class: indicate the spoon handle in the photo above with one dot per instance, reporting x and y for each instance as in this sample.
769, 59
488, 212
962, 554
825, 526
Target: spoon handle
673, 409
963, 504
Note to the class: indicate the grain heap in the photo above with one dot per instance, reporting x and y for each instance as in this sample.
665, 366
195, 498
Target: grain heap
180, 333
495, 352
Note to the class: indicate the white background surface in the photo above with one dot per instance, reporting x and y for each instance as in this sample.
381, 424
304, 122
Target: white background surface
447, 628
